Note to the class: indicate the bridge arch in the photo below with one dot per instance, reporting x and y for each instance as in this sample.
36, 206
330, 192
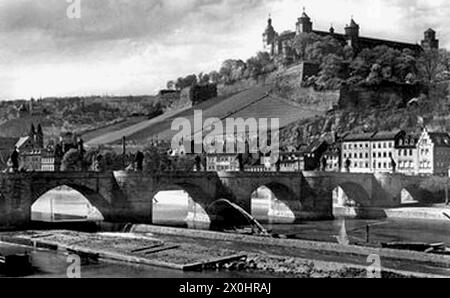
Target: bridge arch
350, 199
94, 197
283, 205
198, 215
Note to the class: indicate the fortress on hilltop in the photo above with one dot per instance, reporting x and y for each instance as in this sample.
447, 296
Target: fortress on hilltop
283, 44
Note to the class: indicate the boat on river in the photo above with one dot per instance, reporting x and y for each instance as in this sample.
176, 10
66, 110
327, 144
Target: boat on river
433, 248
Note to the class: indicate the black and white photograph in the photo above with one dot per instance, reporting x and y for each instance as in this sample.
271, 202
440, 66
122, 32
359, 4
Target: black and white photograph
204, 141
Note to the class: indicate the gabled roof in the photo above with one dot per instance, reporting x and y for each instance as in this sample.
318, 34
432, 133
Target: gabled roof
22, 141
353, 24
314, 146
387, 135
358, 137
440, 139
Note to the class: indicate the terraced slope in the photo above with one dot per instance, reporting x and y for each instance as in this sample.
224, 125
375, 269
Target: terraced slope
257, 102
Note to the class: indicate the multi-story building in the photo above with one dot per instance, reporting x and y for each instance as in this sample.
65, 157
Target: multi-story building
433, 153
291, 162
333, 158
370, 152
383, 151
222, 162
30, 161
356, 153
50, 162
406, 155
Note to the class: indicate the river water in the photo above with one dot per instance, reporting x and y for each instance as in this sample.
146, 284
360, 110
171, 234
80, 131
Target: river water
171, 209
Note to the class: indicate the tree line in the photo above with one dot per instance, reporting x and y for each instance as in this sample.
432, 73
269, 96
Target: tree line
231, 71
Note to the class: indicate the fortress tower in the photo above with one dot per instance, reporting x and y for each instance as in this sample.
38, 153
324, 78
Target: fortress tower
430, 41
352, 34
269, 37
304, 24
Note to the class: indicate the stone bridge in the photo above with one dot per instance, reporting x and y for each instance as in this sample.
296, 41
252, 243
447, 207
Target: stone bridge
128, 197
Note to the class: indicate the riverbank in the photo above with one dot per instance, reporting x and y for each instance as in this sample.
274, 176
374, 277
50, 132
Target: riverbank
420, 213
182, 249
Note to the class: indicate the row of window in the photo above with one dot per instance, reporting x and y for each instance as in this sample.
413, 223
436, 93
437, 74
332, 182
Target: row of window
406, 164
379, 145
366, 155
381, 165
405, 152
425, 165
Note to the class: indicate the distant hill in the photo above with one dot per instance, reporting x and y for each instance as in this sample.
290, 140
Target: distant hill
21, 126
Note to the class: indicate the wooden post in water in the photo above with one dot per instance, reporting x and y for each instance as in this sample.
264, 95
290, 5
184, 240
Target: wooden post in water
367, 233
446, 194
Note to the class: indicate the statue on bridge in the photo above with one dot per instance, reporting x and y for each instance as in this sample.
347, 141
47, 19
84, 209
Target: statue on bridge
15, 160
348, 163
139, 160
394, 165
198, 163
324, 164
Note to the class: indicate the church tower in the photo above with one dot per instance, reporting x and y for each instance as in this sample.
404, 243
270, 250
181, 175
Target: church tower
352, 34
430, 41
304, 24
269, 37
39, 137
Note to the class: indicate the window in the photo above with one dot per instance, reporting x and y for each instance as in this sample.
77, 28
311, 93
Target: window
384, 145
345, 146
374, 155
384, 154
384, 166
400, 152
379, 145
367, 155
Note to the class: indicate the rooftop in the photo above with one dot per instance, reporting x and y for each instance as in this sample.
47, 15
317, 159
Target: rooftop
440, 139
359, 137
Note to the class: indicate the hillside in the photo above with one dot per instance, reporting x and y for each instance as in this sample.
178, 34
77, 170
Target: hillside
21, 126
258, 102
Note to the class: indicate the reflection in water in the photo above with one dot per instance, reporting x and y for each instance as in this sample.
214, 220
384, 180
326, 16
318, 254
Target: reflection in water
171, 208
64, 204
49, 264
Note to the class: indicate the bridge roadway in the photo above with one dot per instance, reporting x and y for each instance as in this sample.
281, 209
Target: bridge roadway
127, 196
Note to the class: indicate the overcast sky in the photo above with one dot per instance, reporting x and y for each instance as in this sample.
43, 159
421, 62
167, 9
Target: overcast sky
123, 47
